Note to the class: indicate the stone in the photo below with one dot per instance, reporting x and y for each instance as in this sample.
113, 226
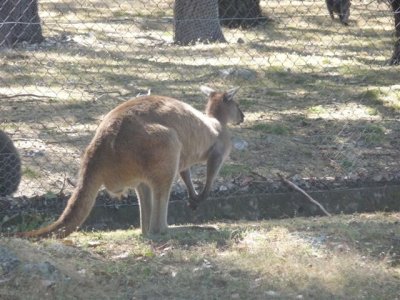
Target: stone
8, 261
239, 144
45, 270
233, 73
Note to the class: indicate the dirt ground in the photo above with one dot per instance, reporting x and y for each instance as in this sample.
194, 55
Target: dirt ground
319, 98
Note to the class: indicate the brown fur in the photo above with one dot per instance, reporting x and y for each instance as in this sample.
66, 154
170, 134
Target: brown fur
143, 144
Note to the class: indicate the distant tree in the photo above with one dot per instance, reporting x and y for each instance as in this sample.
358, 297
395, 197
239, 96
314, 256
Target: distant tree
395, 60
240, 13
196, 21
19, 21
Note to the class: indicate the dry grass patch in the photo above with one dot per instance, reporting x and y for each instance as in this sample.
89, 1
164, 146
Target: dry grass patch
343, 257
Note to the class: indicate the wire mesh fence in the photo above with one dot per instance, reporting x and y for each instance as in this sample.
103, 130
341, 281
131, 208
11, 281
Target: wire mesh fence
320, 96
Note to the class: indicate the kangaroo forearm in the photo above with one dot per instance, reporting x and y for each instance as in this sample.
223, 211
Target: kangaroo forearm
187, 179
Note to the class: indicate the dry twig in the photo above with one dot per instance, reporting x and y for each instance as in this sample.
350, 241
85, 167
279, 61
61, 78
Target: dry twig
295, 187
22, 95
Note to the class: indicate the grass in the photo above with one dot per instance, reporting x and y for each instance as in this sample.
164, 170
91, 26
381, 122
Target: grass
230, 170
319, 109
372, 111
346, 164
277, 129
24, 222
373, 134
30, 173
373, 96
343, 257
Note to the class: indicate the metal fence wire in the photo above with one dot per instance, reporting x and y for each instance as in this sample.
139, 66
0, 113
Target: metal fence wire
319, 90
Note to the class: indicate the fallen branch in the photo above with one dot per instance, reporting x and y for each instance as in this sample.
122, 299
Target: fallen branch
22, 95
259, 175
295, 187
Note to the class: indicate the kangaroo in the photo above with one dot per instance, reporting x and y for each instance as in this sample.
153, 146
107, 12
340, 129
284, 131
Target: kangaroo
341, 8
144, 144
10, 166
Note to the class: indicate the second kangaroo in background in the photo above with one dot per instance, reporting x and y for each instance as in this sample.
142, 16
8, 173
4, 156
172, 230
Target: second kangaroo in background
341, 8
144, 144
10, 166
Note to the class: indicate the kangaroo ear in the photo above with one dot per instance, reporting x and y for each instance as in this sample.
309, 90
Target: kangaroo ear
206, 90
230, 93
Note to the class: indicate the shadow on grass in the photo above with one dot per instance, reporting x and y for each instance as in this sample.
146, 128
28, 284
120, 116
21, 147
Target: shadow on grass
317, 258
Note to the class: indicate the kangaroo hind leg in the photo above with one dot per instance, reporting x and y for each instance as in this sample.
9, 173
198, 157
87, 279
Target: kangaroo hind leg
144, 195
161, 189
162, 182
159, 210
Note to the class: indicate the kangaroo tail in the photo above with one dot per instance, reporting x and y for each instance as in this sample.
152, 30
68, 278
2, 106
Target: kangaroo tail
78, 206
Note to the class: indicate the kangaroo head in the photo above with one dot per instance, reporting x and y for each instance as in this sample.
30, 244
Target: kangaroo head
222, 106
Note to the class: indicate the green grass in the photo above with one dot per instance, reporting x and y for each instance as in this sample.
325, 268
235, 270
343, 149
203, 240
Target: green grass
318, 109
372, 111
347, 164
230, 170
24, 222
373, 96
277, 129
246, 104
30, 173
382, 98
373, 134
396, 106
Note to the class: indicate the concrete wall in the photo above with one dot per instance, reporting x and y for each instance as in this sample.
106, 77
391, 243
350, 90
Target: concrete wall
258, 206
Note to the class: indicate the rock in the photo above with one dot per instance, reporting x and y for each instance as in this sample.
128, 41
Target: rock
223, 188
48, 283
45, 270
34, 153
82, 272
353, 176
232, 73
239, 144
297, 178
179, 190
377, 178
272, 293
207, 264
8, 261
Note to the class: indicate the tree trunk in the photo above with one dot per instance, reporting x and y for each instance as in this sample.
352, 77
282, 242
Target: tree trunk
196, 21
240, 13
395, 60
19, 21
